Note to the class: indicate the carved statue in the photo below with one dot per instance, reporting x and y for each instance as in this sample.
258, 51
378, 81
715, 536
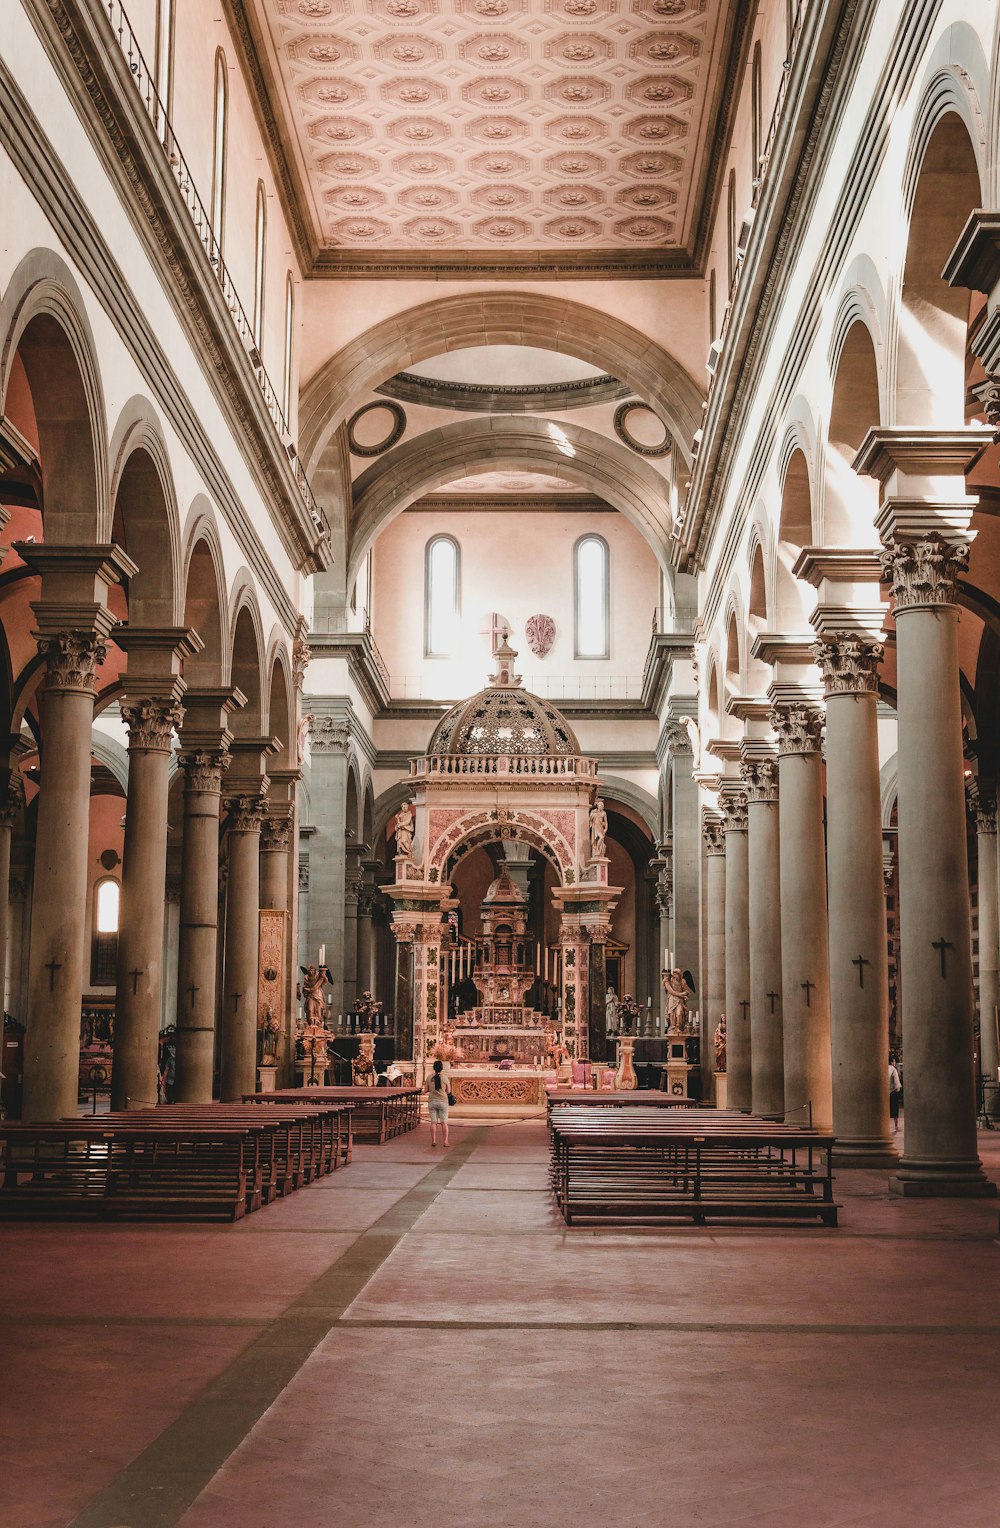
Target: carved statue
598, 829
314, 979
369, 1009
404, 830
628, 1014
611, 1011
676, 987
719, 1040
270, 1030
363, 1066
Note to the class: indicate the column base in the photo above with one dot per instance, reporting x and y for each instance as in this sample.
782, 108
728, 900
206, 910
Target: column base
944, 1180
873, 1153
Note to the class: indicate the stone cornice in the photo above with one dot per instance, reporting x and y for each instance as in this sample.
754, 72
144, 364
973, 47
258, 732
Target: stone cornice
359, 650
81, 47
923, 452
831, 47
848, 565
777, 647
975, 260
664, 649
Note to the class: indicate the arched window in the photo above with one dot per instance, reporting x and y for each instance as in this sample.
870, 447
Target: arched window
591, 601
259, 265
441, 596
164, 59
731, 225
757, 113
219, 147
286, 365
107, 904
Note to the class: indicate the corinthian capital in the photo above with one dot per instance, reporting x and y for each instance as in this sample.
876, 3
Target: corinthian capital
247, 812
204, 768
849, 665
713, 832
12, 800
276, 833
981, 800
799, 728
923, 573
760, 777
72, 659
151, 722
733, 806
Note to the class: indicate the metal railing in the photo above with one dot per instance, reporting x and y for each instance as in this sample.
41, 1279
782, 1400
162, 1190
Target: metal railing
554, 687
202, 222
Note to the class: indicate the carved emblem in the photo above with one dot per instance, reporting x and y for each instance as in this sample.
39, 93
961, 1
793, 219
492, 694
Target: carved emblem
540, 631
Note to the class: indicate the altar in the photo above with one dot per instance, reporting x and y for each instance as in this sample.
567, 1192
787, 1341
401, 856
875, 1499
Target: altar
522, 1085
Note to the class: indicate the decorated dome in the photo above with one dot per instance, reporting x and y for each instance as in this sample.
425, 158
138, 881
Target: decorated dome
504, 718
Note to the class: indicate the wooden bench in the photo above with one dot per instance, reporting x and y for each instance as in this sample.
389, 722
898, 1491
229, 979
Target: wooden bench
379, 1113
179, 1161
635, 1165
598, 1098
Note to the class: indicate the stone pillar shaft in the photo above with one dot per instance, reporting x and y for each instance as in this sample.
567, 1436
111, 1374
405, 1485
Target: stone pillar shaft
238, 1021
989, 935
766, 1042
197, 959
804, 944
714, 1000
940, 1148
59, 896
734, 809
139, 984
10, 810
859, 975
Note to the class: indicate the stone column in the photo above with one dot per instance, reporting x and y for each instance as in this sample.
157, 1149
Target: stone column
367, 978
151, 720
59, 899
597, 987
402, 1010
238, 1021
733, 803
275, 844
662, 863
989, 928
760, 779
940, 1149
859, 979
804, 941
11, 807
197, 958
330, 739
686, 851
714, 999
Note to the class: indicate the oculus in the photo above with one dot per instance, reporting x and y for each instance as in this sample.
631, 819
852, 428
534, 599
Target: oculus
640, 428
375, 428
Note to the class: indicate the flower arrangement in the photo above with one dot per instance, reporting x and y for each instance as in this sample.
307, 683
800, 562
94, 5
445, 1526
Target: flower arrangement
442, 1051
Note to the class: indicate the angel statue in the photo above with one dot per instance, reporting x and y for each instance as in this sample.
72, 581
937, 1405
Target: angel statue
314, 979
403, 827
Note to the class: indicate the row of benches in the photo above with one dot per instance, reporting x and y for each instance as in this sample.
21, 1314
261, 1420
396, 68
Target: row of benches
642, 1163
175, 1162
379, 1113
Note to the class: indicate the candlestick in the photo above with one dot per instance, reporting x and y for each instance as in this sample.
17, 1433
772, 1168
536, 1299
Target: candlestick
322, 954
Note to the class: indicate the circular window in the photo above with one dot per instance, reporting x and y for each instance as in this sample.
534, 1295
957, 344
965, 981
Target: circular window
639, 427
375, 428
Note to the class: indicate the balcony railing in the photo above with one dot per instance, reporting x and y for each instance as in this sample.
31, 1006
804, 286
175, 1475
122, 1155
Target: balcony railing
464, 765
558, 688
202, 222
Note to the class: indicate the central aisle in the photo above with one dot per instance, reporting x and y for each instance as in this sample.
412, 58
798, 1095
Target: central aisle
429, 1347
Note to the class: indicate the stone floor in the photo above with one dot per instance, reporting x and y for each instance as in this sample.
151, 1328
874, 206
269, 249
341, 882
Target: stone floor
420, 1341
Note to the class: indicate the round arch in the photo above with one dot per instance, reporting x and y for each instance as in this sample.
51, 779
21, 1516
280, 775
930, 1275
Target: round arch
521, 832
204, 599
515, 441
246, 663
482, 318
145, 520
43, 321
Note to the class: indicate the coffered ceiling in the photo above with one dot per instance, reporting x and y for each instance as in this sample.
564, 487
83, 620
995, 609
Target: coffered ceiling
480, 135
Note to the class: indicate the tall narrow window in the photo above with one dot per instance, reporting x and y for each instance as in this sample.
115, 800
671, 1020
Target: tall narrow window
757, 111
219, 147
164, 59
592, 604
259, 265
107, 902
441, 597
731, 225
286, 367
712, 320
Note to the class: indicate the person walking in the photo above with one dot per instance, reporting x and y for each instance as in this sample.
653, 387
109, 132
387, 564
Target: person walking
895, 1094
436, 1088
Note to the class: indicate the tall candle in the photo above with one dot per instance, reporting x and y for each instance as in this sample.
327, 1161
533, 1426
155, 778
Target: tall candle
322, 954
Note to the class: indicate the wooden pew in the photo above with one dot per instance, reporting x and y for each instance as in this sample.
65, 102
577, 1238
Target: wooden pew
598, 1098
379, 1113
634, 1164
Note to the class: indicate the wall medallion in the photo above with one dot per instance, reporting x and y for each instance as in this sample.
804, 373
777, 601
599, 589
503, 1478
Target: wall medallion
540, 631
374, 428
